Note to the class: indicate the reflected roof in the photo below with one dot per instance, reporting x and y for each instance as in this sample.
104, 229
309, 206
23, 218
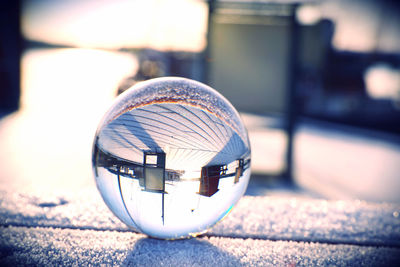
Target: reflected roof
189, 136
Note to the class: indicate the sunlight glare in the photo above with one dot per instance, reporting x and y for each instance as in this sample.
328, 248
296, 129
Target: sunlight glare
163, 25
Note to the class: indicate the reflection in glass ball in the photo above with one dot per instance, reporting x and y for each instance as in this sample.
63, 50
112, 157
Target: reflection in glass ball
171, 157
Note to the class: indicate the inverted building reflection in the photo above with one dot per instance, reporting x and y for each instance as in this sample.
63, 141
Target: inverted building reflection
153, 175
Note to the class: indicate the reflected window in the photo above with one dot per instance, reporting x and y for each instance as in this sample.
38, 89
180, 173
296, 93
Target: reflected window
239, 170
209, 181
154, 171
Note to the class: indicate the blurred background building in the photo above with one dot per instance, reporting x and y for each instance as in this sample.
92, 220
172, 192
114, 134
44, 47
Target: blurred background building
317, 82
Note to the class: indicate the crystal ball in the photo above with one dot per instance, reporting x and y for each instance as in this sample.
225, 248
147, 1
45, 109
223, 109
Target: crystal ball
171, 157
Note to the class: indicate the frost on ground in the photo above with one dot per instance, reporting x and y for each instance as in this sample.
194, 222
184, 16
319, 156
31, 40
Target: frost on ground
284, 229
274, 217
49, 246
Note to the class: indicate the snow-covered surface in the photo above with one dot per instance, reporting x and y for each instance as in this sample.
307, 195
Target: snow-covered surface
278, 217
48, 246
280, 228
347, 163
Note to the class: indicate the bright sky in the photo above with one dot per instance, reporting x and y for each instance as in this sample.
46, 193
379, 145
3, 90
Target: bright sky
159, 24
182, 24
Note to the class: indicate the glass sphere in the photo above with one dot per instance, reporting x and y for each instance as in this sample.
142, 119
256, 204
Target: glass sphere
171, 157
